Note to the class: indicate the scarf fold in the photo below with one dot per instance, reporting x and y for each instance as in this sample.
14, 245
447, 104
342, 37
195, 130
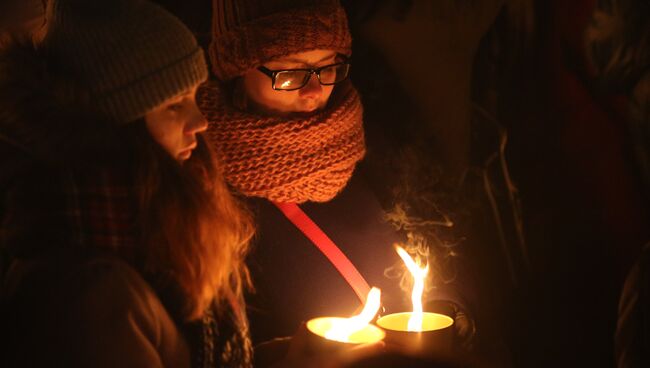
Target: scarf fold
286, 159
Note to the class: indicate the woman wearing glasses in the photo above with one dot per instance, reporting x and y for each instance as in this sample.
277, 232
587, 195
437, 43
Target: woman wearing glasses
300, 83
287, 123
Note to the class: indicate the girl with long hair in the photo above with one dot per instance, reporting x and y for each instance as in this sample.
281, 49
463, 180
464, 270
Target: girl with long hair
122, 245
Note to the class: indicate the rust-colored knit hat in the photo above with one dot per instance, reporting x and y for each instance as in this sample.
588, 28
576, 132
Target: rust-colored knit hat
249, 33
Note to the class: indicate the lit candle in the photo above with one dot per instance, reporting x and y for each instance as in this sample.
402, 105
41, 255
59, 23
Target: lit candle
353, 330
417, 331
419, 273
401, 322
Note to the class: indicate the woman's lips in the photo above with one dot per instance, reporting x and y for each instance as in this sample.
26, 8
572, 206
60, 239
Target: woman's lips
187, 152
184, 155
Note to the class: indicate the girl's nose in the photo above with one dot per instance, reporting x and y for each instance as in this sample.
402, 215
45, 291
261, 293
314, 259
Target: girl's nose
197, 123
312, 89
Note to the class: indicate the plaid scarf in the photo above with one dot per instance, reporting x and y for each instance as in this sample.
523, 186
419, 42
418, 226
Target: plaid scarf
102, 206
49, 211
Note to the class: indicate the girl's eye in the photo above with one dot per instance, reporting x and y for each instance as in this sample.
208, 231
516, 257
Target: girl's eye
175, 107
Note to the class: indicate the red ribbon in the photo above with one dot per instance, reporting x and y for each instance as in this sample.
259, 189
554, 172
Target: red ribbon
342, 264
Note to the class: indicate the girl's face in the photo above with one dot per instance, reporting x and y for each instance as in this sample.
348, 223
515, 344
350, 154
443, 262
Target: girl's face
313, 96
175, 124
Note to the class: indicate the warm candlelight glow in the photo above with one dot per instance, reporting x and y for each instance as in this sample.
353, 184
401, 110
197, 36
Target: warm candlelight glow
342, 329
401, 321
418, 332
355, 329
419, 274
367, 334
435, 338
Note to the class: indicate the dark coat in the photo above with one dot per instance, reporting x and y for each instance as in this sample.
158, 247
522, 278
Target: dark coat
90, 311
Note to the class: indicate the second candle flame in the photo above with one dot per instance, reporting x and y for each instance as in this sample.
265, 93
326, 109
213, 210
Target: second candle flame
419, 274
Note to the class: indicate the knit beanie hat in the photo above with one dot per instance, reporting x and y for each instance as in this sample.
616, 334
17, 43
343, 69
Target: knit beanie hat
129, 55
249, 33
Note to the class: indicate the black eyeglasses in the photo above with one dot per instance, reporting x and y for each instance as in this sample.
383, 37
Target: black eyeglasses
293, 79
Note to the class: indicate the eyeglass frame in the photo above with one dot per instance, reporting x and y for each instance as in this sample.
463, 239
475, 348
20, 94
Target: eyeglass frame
273, 73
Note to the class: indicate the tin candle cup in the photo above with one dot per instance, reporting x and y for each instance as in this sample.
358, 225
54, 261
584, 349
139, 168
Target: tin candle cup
435, 339
318, 327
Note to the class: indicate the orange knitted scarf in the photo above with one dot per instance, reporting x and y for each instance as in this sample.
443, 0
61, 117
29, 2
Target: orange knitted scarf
291, 160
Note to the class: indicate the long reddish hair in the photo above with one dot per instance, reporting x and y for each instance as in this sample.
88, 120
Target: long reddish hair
195, 234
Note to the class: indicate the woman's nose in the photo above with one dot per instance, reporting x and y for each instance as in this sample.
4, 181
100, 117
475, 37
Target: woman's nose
312, 89
197, 123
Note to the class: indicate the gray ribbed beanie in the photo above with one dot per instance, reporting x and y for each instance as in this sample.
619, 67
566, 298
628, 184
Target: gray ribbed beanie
131, 55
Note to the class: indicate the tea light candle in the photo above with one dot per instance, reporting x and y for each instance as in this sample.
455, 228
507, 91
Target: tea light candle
418, 331
430, 321
436, 337
349, 331
367, 334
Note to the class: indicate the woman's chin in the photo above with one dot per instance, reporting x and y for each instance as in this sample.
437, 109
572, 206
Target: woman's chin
299, 109
309, 107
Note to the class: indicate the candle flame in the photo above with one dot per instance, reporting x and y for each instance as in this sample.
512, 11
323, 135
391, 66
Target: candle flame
419, 274
342, 329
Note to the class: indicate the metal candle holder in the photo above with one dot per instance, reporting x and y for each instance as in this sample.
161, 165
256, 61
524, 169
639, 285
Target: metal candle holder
318, 342
435, 339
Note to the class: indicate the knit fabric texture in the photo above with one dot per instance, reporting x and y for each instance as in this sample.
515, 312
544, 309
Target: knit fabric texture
249, 33
282, 159
129, 55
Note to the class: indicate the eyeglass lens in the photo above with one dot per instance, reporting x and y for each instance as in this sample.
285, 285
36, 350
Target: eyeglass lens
294, 79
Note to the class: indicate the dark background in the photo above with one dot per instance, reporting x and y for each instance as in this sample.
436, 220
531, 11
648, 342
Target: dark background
584, 205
